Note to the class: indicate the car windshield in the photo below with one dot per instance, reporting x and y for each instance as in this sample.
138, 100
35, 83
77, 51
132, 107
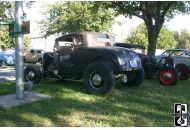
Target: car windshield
103, 39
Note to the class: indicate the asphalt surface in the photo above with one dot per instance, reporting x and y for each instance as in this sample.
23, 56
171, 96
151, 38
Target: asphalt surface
7, 74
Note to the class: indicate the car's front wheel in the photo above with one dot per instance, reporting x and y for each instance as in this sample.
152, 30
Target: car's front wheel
168, 76
135, 78
99, 78
32, 73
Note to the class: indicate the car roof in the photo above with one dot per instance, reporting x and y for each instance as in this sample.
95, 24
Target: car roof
129, 45
83, 33
177, 49
187, 51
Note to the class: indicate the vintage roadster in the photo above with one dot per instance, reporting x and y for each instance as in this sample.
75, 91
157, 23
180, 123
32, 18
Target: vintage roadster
90, 56
167, 72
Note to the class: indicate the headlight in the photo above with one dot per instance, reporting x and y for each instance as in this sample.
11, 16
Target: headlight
122, 61
133, 63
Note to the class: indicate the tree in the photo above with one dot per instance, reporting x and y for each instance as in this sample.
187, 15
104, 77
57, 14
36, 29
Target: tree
6, 14
5, 40
139, 36
8, 42
183, 39
66, 17
154, 14
27, 41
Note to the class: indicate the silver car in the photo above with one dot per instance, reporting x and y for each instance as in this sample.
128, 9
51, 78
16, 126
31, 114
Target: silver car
179, 55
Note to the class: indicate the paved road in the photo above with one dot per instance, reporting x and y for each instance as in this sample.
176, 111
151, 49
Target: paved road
7, 74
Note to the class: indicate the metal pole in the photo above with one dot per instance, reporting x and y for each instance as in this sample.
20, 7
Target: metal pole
45, 44
19, 50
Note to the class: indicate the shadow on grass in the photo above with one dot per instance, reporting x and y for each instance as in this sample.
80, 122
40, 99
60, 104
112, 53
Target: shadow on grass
147, 105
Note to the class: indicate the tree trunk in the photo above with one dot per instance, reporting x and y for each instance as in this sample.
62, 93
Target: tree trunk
151, 35
151, 41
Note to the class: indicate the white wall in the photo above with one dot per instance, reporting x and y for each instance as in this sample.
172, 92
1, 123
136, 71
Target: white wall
159, 51
40, 43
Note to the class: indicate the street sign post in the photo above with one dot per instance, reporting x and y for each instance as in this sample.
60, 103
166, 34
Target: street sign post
16, 29
19, 49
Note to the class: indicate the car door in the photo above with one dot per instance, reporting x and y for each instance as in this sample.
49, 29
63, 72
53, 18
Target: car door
181, 57
70, 57
63, 55
164, 54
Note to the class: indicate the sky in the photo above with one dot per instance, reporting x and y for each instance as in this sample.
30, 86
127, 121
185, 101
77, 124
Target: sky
177, 23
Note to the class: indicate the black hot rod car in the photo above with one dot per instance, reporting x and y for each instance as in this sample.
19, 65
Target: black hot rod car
90, 56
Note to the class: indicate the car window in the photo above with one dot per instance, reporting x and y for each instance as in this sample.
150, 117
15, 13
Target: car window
183, 54
177, 53
64, 43
32, 51
78, 40
166, 53
40, 51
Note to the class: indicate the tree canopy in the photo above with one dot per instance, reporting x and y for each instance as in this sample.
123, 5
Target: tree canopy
8, 42
139, 36
65, 17
154, 14
183, 39
6, 14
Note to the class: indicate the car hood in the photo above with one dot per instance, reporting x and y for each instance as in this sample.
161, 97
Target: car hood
5, 54
119, 51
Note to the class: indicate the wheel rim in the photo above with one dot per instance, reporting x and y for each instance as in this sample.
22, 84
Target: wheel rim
96, 80
30, 76
182, 71
167, 76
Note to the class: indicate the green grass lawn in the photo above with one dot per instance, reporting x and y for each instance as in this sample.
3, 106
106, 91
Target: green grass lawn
148, 105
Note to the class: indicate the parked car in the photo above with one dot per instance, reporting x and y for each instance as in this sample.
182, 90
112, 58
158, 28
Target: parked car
7, 59
90, 56
179, 55
33, 55
166, 71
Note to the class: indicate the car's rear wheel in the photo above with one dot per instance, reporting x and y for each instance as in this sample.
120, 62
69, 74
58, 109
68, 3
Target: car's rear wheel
3, 64
135, 78
32, 73
183, 70
99, 78
168, 76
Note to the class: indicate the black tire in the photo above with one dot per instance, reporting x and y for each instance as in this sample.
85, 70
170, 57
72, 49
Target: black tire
172, 73
3, 64
36, 71
104, 73
183, 70
137, 79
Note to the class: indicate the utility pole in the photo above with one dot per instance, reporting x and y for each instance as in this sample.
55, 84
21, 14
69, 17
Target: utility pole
19, 49
45, 44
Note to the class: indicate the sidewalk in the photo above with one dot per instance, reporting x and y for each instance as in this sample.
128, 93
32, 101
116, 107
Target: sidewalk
10, 100
7, 74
